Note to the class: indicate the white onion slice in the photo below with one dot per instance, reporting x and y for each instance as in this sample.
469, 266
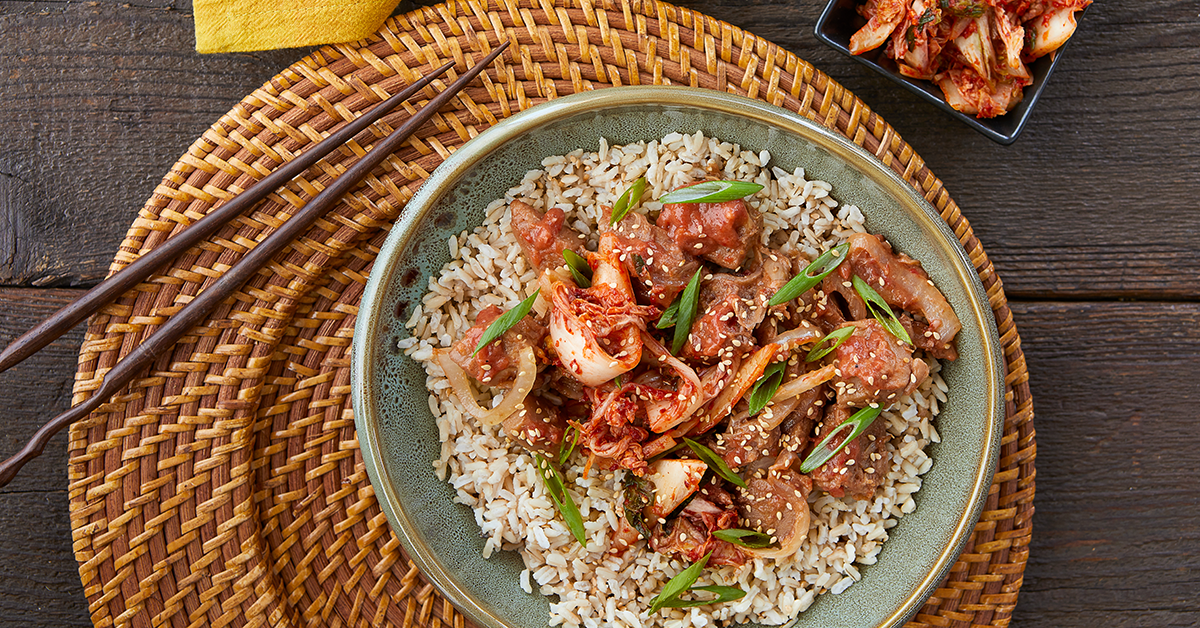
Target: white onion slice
804, 383
526, 373
789, 545
805, 333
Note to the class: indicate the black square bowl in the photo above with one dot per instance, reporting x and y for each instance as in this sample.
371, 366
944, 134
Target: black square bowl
839, 21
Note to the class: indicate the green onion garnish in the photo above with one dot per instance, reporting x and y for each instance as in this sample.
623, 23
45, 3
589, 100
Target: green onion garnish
714, 462
881, 310
580, 271
711, 192
686, 313
766, 387
724, 594
677, 585
564, 450
555, 487
628, 200
858, 423
835, 340
668, 316
746, 538
825, 264
505, 322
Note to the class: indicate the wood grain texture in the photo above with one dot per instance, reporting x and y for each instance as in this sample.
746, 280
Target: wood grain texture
100, 98
39, 578
1077, 206
1115, 538
1074, 209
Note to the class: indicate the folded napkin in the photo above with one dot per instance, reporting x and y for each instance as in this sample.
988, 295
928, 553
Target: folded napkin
243, 25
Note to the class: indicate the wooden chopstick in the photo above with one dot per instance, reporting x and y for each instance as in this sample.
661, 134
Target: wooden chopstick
108, 290
204, 303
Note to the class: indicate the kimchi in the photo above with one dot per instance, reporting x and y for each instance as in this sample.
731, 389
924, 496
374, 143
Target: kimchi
976, 51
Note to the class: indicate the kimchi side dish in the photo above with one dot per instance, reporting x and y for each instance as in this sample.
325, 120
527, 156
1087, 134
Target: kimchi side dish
977, 51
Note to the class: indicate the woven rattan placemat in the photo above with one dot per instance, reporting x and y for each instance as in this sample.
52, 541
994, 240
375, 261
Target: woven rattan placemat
226, 488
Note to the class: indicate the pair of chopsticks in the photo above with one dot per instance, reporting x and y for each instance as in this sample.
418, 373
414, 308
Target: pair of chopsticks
204, 303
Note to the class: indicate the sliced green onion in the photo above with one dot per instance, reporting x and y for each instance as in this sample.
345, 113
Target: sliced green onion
826, 449
714, 462
766, 387
677, 585
580, 271
628, 200
505, 322
724, 594
825, 264
686, 314
881, 310
668, 316
555, 487
564, 450
746, 538
835, 340
711, 192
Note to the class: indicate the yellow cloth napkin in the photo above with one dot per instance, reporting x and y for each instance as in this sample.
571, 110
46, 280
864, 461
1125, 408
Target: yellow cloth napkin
243, 25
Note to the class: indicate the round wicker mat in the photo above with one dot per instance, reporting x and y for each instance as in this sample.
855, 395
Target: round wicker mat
226, 486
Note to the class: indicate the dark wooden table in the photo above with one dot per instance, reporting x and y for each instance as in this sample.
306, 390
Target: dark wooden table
1092, 219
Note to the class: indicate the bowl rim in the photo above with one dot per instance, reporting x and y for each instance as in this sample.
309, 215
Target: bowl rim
459, 162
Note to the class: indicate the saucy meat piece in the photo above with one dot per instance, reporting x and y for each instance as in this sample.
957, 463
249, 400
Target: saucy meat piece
901, 281
543, 237
874, 367
797, 432
722, 233
775, 502
539, 426
496, 363
746, 440
924, 338
835, 300
658, 268
859, 468
731, 306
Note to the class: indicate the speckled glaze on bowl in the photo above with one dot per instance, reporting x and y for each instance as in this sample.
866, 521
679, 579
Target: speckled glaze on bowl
399, 438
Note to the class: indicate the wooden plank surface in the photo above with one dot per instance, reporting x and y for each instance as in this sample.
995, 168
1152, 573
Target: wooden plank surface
1075, 208
39, 578
1115, 536
1095, 203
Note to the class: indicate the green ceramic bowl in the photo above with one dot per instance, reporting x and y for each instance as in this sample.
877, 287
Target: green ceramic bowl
399, 439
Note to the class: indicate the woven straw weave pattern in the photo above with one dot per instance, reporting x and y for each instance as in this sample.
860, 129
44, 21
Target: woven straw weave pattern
225, 488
